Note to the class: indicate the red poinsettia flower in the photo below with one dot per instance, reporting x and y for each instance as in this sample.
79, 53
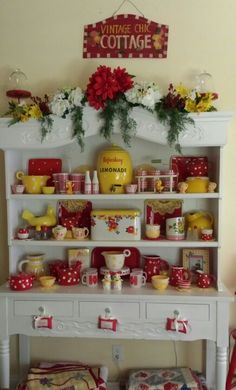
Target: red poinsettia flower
124, 80
102, 86
105, 85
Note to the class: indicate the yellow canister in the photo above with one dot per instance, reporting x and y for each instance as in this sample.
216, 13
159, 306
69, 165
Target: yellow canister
197, 184
115, 170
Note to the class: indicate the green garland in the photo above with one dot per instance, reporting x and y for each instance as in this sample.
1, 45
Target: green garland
119, 109
176, 122
46, 123
77, 122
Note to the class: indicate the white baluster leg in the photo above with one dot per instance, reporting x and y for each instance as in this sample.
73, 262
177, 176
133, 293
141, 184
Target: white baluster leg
4, 364
221, 367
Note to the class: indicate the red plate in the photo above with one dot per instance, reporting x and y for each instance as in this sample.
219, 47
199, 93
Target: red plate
44, 166
132, 261
181, 165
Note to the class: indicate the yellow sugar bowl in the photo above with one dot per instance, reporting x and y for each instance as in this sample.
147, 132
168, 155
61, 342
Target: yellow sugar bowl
197, 184
160, 282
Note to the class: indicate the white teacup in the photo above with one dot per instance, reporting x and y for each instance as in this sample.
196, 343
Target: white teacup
80, 233
115, 259
59, 232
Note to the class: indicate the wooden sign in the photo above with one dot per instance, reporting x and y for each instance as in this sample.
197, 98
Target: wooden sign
125, 36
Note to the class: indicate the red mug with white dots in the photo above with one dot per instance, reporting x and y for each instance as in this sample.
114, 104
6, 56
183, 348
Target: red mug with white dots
204, 280
207, 234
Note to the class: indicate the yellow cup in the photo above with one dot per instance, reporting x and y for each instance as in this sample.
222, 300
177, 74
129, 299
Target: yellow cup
48, 190
160, 282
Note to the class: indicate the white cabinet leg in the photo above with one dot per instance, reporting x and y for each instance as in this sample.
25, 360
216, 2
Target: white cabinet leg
24, 354
221, 367
4, 364
210, 363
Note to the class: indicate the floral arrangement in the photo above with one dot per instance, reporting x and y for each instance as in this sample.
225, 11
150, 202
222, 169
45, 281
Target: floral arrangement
114, 93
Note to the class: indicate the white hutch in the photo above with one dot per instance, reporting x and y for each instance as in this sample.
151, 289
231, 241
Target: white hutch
141, 313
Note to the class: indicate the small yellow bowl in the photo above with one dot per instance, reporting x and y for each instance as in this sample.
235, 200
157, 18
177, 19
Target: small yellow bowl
48, 190
47, 281
160, 282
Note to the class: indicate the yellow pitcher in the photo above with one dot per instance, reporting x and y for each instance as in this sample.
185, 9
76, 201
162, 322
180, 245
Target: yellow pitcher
199, 220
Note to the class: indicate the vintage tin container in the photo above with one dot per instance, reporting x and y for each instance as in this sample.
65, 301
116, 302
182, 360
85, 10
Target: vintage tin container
115, 224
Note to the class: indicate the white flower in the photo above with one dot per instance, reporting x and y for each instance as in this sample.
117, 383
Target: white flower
144, 93
59, 107
75, 97
65, 100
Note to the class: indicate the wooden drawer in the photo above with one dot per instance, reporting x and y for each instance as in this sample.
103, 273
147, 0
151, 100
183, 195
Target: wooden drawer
120, 310
55, 308
196, 312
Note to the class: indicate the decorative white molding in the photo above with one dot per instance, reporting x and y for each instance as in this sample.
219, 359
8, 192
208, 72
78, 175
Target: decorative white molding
209, 130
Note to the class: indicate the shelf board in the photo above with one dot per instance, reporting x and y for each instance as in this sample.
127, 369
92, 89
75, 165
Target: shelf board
141, 196
136, 244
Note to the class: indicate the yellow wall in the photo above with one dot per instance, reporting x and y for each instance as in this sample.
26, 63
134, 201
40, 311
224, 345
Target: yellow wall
44, 39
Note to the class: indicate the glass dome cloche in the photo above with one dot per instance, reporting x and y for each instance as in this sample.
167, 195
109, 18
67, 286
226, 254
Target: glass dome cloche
18, 85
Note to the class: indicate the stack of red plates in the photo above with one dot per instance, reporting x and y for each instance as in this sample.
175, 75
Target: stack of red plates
184, 283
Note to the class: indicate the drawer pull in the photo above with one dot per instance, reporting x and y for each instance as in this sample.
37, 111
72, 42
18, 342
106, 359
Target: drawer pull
41, 310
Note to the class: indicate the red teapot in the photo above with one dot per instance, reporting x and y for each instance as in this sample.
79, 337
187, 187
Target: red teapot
69, 276
204, 280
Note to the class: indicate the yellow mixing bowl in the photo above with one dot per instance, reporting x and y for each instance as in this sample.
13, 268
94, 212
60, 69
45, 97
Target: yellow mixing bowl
33, 184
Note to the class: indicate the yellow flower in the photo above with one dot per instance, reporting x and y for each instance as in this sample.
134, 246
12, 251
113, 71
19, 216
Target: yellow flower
34, 111
24, 118
203, 106
190, 105
182, 90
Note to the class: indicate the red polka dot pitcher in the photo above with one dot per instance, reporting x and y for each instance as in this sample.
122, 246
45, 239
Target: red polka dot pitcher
204, 280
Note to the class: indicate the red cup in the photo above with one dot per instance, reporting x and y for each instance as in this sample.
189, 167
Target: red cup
77, 180
60, 181
179, 274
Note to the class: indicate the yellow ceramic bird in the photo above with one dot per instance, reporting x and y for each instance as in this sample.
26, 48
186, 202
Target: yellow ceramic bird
49, 219
159, 185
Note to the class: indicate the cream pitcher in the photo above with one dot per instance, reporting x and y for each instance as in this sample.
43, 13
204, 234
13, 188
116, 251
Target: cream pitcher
33, 264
